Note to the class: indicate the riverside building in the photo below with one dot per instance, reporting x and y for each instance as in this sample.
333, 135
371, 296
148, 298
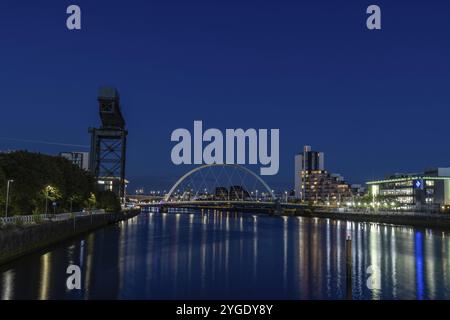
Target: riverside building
314, 184
428, 191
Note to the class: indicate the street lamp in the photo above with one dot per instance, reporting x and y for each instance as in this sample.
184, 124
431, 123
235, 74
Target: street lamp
8, 183
48, 189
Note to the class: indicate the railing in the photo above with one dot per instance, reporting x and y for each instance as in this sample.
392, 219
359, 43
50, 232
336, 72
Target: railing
46, 217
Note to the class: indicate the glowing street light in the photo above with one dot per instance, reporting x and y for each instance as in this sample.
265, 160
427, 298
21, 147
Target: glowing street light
48, 191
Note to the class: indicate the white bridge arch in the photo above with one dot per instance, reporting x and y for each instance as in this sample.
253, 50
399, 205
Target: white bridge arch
258, 178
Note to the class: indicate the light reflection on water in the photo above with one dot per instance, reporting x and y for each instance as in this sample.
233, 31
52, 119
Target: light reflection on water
214, 255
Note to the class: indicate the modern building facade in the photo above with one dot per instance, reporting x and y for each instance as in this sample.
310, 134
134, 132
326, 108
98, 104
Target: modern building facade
80, 159
428, 191
323, 187
307, 161
314, 184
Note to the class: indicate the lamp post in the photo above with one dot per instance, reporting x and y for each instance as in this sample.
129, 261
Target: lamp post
8, 183
48, 189
46, 203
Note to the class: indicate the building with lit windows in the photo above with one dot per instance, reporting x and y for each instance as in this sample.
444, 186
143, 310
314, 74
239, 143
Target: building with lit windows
314, 184
307, 161
108, 184
321, 187
428, 191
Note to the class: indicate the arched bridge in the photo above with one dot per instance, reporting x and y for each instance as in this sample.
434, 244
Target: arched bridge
221, 187
234, 166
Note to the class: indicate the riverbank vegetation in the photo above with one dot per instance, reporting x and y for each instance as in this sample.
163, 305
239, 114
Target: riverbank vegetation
48, 184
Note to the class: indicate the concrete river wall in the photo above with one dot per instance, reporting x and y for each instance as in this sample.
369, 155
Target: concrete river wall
433, 220
18, 241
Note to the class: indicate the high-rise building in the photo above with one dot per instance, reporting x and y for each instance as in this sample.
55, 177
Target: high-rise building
314, 184
80, 159
307, 161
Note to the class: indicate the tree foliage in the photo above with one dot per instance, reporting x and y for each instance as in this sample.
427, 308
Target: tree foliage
37, 177
107, 200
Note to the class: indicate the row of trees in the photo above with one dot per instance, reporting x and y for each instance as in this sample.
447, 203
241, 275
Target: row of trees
50, 184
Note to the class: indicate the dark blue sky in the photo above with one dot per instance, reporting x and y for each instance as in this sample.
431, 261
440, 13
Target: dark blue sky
375, 102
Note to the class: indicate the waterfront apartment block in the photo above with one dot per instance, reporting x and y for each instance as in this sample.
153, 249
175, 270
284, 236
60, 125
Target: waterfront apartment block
428, 191
314, 184
321, 187
307, 161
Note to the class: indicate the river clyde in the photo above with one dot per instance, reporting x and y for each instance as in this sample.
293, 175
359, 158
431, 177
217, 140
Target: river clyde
219, 255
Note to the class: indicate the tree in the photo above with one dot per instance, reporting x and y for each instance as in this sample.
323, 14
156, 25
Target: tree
50, 193
74, 198
109, 201
91, 201
32, 173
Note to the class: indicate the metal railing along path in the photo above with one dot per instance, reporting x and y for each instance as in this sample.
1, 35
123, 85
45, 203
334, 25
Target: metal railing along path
29, 219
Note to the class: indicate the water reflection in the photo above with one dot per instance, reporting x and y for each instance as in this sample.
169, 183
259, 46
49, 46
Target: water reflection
223, 255
8, 285
45, 276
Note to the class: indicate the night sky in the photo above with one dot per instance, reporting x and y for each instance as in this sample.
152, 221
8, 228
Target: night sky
376, 102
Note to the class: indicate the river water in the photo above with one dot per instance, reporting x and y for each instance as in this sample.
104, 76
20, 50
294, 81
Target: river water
211, 255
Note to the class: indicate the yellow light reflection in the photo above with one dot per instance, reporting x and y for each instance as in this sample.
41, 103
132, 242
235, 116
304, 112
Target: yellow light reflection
45, 277
8, 285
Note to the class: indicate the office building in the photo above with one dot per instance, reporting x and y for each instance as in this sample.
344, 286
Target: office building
428, 191
358, 190
112, 185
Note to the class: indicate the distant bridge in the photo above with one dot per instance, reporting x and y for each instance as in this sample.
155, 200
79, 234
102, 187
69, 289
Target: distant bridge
209, 166
241, 206
195, 194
